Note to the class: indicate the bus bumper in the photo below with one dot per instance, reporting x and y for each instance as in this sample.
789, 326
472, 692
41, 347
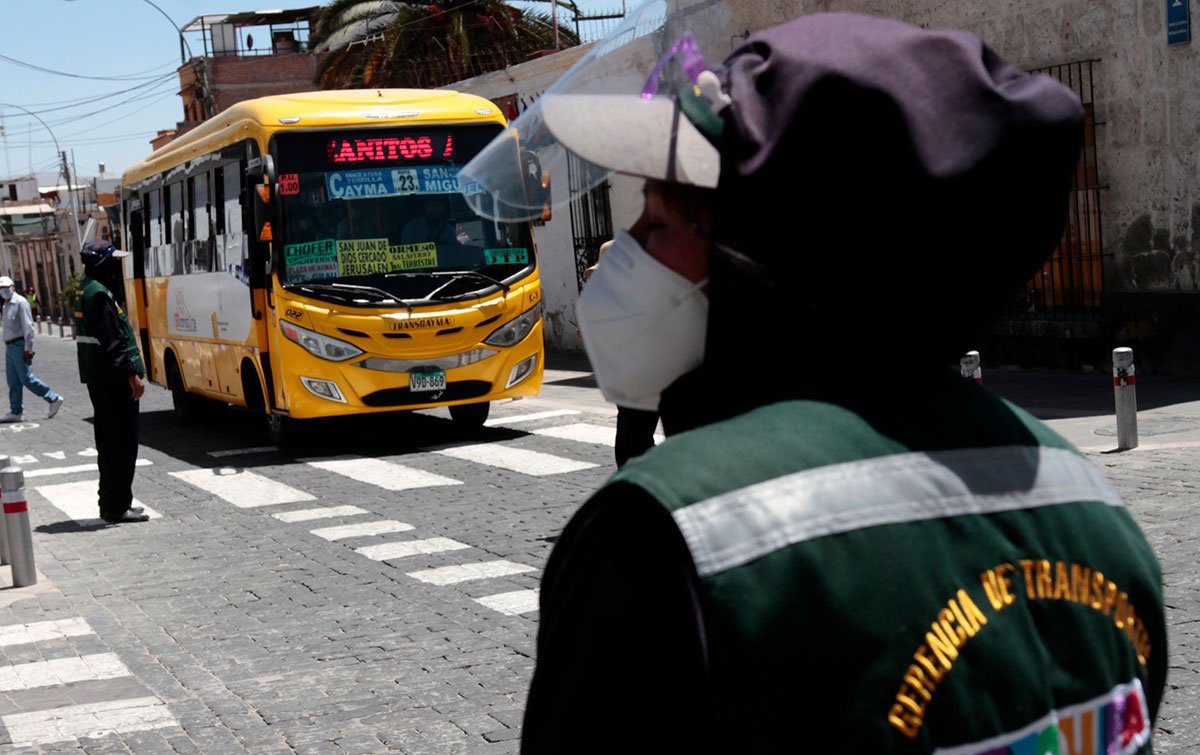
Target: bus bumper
330, 389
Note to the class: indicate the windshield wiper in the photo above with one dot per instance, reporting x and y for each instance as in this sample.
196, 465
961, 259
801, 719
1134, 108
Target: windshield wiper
453, 275
381, 295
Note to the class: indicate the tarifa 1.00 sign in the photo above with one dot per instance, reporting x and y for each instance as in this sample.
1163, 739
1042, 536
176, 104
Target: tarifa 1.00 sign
389, 149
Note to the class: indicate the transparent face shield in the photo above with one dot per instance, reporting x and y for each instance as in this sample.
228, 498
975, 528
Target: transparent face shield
613, 111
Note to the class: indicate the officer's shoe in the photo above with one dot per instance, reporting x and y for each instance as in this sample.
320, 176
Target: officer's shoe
10, 417
55, 405
132, 514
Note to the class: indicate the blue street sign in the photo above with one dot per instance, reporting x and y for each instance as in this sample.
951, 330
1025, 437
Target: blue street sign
1179, 26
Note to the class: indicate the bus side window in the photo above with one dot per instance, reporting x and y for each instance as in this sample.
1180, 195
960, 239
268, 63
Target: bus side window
146, 221
189, 205
157, 237
232, 213
218, 180
176, 230
201, 221
166, 214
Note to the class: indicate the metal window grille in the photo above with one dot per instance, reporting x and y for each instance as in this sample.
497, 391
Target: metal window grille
1071, 282
591, 215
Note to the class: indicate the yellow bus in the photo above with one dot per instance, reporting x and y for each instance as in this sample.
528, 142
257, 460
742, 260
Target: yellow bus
312, 255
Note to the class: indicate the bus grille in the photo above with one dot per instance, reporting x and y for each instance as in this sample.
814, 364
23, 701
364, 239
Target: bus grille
456, 391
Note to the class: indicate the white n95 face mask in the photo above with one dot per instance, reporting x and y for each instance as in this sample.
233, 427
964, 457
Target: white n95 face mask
6, 293
643, 324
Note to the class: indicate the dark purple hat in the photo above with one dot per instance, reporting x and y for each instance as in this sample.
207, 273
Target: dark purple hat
97, 251
873, 168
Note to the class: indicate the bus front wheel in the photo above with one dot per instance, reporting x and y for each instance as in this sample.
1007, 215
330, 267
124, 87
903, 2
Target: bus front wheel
470, 416
281, 430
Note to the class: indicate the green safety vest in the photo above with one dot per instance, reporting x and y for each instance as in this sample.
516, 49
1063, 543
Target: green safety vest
95, 366
864, 595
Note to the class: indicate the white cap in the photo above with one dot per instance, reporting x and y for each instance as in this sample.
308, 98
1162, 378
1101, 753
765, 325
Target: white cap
6, 282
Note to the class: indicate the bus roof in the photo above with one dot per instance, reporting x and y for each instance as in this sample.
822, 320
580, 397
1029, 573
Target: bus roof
264, 116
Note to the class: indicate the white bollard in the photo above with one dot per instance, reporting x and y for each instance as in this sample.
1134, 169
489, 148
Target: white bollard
1125, 393
969, 367
5, 558
16, 521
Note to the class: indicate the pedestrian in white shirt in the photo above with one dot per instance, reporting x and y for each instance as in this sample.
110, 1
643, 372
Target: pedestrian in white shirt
18, 354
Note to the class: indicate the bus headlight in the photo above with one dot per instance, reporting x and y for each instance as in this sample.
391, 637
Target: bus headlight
514, 330
317, 344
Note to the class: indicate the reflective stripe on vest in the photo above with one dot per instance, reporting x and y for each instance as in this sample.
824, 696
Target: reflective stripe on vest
88, 339
738, 527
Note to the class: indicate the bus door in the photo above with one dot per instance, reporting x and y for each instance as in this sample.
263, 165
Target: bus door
135, 274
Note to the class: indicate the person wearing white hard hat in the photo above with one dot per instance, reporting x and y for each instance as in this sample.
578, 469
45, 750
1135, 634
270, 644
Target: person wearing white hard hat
18, 334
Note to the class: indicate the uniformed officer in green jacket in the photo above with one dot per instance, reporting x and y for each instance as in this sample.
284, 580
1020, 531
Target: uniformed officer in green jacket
110, 364
842, 546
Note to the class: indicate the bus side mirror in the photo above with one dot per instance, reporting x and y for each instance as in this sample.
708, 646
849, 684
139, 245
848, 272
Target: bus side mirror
537, 186
261, 175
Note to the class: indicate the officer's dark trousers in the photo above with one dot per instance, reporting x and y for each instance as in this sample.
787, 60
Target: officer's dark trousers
116, 428
635, 433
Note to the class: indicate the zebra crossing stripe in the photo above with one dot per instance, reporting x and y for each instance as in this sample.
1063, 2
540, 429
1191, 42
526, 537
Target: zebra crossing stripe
582, 432
384, 474
78, 500
586, 433
42, 631
450, 575
61, 671
90, 720
528, 417
362, 529
389, 551
241, 488
512, 603
75, 468
307, 515
515, 459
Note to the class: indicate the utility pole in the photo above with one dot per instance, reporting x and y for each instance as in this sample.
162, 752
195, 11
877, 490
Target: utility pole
6, 266
70, 192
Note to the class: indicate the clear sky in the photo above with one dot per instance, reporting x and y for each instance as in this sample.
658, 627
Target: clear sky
114, 83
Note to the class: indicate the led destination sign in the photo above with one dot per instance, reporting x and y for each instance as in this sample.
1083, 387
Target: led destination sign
303, 152
389, 149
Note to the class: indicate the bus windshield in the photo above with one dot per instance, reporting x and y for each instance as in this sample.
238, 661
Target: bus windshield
375, 215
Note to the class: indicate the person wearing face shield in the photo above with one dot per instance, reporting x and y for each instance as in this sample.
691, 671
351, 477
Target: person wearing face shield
110, 364
822, 557
18, 334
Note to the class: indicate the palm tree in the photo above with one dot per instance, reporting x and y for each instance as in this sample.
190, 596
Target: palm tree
427, 43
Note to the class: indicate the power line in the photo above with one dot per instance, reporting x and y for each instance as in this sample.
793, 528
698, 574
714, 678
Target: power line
102, 139
125, 77
107, 108
89, 100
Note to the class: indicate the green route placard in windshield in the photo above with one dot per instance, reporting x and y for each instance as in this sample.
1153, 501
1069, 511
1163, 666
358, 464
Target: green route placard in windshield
312, 261
517, 256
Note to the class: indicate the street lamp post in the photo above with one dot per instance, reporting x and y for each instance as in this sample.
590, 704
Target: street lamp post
182, 40
70, 189
63, 157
